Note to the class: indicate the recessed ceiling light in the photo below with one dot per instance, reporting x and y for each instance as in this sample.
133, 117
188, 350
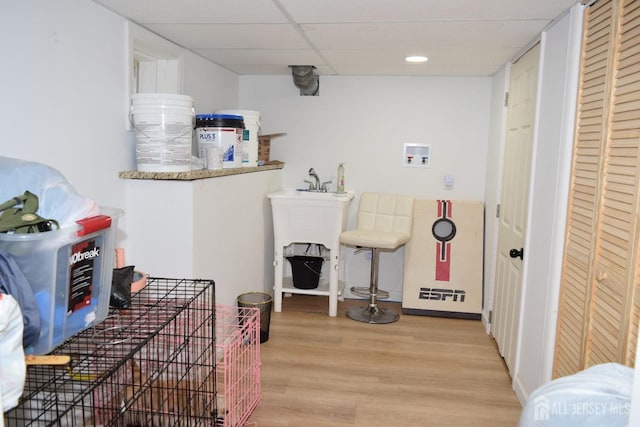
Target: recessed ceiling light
416, 58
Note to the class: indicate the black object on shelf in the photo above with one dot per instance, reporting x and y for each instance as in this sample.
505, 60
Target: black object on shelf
306, 271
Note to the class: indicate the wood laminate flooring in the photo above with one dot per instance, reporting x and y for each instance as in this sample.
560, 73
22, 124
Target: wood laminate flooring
420, 371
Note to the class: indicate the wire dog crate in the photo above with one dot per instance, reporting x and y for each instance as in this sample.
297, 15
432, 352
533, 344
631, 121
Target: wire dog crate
237, 363
153, 364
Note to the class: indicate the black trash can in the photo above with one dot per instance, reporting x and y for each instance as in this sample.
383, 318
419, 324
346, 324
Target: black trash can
306, 271
263, 302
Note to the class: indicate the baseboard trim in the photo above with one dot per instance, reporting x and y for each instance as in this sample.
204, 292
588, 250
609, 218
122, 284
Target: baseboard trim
521, 393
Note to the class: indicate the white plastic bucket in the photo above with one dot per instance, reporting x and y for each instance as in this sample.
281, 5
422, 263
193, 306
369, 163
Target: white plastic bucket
252, 124
163, 126
221, 131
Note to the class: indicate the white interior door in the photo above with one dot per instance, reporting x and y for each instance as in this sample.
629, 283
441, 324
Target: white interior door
514, 202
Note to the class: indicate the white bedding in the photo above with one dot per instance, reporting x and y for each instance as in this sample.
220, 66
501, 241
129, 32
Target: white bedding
598, 396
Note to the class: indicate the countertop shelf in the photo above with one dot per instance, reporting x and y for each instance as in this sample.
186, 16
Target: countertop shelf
197, 174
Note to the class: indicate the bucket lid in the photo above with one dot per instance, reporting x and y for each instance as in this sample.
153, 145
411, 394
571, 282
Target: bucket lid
219, 120
218, 117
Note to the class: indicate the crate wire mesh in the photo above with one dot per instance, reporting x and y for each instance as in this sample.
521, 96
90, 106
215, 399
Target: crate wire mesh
238, 363
153, 364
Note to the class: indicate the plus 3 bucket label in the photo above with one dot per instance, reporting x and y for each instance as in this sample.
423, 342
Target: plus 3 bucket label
221, 131
250, 142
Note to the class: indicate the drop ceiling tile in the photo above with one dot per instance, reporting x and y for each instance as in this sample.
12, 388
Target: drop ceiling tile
258, 69
284, 57
464, 34
272, 69
400, 71
438, 58
327, 11
247, 36
522, 9
197, 11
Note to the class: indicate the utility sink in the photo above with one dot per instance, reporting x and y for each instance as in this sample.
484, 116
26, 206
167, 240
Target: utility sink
310, 195
308, 217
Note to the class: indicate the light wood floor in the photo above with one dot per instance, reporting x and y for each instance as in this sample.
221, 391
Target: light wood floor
420, 371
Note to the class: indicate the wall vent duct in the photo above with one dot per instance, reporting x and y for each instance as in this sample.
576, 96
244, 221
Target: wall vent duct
305, 79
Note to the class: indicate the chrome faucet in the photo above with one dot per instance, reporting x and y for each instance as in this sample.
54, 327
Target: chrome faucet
314, 175
310, 184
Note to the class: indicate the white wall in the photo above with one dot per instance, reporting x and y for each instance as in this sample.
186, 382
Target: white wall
64, 89
364, 122
559, 62
212, 87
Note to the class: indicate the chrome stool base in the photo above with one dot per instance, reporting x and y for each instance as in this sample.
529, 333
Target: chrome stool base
363, 291
372, 314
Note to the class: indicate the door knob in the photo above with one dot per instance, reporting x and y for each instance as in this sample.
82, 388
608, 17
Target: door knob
514, 253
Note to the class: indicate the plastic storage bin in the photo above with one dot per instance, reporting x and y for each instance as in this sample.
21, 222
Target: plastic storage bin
70, 273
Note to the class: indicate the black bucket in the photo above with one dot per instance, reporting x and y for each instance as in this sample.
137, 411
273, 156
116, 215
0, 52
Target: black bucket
306, 271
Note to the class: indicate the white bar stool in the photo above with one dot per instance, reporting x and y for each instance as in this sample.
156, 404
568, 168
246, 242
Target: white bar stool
384, 223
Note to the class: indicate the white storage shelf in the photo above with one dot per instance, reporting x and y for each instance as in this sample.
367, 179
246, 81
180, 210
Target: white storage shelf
323, 288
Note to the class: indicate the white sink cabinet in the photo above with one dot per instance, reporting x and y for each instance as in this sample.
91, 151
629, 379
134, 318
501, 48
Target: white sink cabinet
308, 217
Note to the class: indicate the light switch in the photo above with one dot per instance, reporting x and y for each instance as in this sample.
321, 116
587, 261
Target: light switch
448, 182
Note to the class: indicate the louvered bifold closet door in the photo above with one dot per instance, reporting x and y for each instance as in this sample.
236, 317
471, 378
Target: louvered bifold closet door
612, 294
599, 303
584, 190
621, 198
